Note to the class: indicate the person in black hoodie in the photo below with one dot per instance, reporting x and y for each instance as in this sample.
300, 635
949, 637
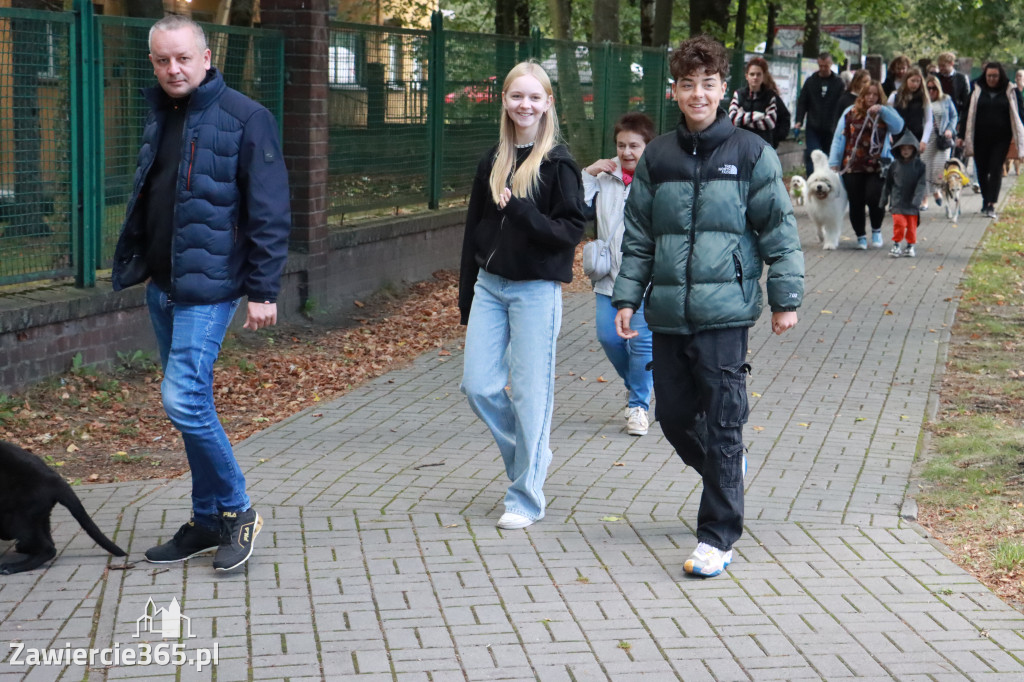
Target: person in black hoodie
818, 101
912, 103
524, 221
903, 190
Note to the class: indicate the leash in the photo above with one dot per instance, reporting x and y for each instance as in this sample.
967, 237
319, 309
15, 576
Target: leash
874, 145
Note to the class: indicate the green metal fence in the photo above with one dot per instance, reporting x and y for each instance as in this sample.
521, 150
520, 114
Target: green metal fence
36, 121
71, 115
411, 112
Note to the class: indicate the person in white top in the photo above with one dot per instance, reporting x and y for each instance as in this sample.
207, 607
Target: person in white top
605, 186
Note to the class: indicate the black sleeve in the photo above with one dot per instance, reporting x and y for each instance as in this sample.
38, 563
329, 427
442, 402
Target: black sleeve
563, 225
469, 269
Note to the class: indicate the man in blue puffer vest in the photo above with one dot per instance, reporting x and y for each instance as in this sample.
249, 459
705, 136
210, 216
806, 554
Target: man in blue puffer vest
706, 211
207, 223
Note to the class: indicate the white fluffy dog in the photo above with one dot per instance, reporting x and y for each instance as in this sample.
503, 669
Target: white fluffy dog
797, 190
826, 201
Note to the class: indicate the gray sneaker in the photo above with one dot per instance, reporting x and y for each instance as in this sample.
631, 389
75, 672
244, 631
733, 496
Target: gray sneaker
910, 253
637, 421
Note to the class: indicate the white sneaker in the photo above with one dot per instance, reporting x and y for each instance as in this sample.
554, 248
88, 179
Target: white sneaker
910, 253
510, 521
637, 421
707, 561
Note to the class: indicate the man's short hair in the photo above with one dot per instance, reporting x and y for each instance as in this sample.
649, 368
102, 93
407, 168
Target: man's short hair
825, 55
946, 58
702, 55
172, 22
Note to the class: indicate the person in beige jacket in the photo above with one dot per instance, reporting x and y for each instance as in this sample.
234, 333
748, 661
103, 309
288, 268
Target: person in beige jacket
994, 131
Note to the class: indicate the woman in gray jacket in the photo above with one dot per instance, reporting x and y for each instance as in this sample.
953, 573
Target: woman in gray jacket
606, 185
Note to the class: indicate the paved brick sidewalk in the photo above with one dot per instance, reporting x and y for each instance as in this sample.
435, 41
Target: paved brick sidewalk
380, 559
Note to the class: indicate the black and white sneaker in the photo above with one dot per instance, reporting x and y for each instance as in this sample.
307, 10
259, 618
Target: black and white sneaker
189, 541
238, 531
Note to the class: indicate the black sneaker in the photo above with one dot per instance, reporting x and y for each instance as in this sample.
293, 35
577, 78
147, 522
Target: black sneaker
189, 541
238, 531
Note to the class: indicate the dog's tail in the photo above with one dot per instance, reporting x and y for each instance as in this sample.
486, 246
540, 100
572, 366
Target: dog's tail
68, 498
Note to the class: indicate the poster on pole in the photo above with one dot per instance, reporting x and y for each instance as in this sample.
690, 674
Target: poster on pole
789, 40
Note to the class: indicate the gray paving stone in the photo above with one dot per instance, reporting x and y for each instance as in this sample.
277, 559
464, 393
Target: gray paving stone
371, 569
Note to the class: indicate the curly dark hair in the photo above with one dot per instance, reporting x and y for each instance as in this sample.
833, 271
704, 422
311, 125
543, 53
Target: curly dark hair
635, 122
701, 55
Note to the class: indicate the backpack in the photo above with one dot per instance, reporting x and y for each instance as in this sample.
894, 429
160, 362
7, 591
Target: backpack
783, 121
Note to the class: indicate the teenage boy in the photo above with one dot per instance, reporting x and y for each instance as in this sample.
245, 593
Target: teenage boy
708, 207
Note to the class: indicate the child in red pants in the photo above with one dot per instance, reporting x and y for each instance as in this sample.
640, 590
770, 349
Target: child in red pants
903, 190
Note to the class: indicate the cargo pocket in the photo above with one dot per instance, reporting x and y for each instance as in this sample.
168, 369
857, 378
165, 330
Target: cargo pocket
731, 468
734, 405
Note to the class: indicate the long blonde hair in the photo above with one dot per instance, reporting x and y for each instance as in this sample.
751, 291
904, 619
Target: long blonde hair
526, 178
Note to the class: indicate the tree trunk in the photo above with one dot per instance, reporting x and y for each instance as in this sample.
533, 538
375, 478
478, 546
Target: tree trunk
145, 9
505, 17
709, 16
812, 30
773, 16
662, 23
569, 94
741, 24
647, 23
522, 18
606, 21
241, 14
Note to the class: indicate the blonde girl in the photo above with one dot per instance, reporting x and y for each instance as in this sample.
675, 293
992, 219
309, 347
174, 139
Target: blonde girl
524, 221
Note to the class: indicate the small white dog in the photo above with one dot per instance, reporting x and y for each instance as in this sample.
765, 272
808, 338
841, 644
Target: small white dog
826, 201
797, 190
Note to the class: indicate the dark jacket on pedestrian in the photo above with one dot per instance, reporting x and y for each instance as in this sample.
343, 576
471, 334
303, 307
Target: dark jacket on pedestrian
819, 102
958, 87
706, 211
904, 184
231, 215
531, 238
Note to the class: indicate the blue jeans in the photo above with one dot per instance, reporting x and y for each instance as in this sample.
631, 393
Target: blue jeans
701, 386
190, 337
511, 339
629, 357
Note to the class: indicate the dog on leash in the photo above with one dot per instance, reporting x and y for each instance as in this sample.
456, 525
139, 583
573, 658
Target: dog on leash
29, 490
954, 179
826, 201
797, 190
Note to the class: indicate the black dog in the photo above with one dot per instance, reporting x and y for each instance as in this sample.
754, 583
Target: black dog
28, 492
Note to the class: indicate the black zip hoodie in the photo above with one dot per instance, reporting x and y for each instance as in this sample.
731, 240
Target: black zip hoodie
530, 239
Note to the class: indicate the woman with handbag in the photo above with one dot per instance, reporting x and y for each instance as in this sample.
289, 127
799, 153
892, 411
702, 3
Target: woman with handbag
943, 138
860, 150
524, 221
994, 128
605, 187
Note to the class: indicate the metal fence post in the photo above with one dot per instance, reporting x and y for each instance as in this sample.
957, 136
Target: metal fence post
86, 171
435, 108
535, 43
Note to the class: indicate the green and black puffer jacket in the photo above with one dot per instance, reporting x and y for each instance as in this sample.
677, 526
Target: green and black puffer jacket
705, 212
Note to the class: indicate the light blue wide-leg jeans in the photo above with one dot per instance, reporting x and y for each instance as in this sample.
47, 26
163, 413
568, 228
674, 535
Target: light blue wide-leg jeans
190, 338
511, 340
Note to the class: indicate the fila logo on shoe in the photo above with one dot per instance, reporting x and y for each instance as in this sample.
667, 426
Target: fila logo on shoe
728, 169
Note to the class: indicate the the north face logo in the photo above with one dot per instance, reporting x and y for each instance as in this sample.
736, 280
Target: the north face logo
728, 169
